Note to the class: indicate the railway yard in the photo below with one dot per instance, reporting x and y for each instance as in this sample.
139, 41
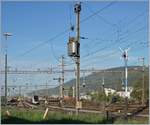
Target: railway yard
109, 111
74, 62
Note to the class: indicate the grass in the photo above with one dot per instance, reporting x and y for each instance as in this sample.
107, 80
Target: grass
132, 121
23, 116
28, 116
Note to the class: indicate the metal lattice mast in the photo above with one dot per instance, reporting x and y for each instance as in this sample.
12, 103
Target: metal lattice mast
6, 35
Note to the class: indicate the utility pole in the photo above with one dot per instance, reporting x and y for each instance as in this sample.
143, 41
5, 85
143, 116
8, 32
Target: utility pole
83, 84
62, 78
77, 9
6, 35
103, 84
46, 89
26, 88
59, 80
74, 51
125, 56
143, 86
20, 91
73, 94
103, 89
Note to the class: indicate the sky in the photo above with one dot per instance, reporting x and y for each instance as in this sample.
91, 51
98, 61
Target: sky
35, 24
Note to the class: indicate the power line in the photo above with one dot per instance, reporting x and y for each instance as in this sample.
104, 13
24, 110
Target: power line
114, 53
138, 29
53, 53
48, 41
103, 19
111, 44
137, 16
102, 56
61, 33
106, 56
134, 19
95, 13
42, 43
129, 22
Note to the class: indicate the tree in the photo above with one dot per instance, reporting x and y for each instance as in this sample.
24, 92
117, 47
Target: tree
70, 92
137, 89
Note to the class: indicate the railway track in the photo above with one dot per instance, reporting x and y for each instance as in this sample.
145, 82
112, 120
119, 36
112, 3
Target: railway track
113, 109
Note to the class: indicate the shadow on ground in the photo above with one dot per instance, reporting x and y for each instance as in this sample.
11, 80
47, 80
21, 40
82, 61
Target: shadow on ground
14, 120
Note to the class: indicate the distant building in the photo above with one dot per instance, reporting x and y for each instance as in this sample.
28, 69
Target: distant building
130, 89
109, 91
123, 94
87, 97
55, 96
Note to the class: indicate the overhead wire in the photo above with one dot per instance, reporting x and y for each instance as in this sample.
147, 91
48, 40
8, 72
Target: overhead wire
111, 44
41, 44
108, 55
103, 19
116, 42
137, 16
61, 33
95, 13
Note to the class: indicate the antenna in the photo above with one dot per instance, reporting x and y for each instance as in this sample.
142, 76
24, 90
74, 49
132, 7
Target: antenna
121, 49
125, 56
128, 49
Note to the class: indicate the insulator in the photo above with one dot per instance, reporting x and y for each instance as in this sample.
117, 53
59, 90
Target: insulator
83, 84
77, 8
72, 28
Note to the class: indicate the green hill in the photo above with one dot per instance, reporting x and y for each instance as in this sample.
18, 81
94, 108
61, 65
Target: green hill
112, 80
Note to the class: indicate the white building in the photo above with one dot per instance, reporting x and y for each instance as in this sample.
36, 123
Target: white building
86, 97
123, 94
109, 91
130, 89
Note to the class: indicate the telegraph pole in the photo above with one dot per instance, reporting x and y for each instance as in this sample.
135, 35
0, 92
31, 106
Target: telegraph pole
83, 84
73, 94
103, 84
77, 9
143, 95
62, 78
6, 78
6, 35
143, 86
20, 91
59, 80
46, 89
74, 51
